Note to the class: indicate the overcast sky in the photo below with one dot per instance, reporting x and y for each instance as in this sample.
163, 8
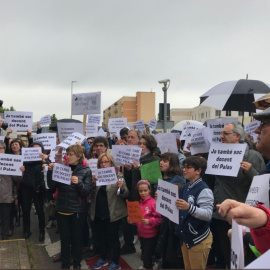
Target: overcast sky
122, 46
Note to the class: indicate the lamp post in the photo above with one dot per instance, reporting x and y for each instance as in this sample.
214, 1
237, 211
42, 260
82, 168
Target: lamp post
71, 97
165, 88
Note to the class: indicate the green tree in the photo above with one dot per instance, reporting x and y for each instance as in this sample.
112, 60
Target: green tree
53, 118
2, 109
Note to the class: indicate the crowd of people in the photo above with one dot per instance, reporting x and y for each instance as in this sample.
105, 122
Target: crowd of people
84, 209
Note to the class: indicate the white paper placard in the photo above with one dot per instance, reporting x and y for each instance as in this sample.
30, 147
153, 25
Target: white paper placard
66, 129
2, 138
140, 125
71, 140
167, 194
91, 129
61, 174
259, 191
152, 124
124, 154
250, 128
102, 133
48, 140
10, 164
199, 141
166, 142
188, 129
106, 176
20, 121
86, 103
225, 158
45, 120
261, 263
93, 165
94, 118
116, 124
31, 153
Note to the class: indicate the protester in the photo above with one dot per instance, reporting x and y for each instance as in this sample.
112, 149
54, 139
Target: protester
121, 142
124, 134
101, 145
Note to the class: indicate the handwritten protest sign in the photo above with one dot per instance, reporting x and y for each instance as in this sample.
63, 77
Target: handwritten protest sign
91, 129
45, 120
106, 176
166, 142
199, 141
86, 103
167, 194
116, 124
10, 164
94, 118
124, 154
216, 126
261, 263
61, 174
48, 140
140, 125
71, 140
31, 154
151, 172
225, 158
188, 129
134, 210
237, 249
250, 129
152, 124
2, 138
93, 165
20, 121
66, 129
259, 191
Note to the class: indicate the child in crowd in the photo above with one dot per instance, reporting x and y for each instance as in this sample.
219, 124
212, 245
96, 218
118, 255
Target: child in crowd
148, 228
196, 206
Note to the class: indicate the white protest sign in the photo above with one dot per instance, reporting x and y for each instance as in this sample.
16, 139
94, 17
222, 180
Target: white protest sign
188, 129
48, 140
106, 176
52, 155
250, 128
71, 140
94, 118
167, 194
140, 125
116, 124
91, 129
20, 121
102, 133
10, 164
237, 249
259, 191
31, 154
225, 158
93, 165
45, 120
166, 142
86, 103
199, 141
66, 129
2, 138
61, 174
124, 154
152, 124
216, 126
261, 263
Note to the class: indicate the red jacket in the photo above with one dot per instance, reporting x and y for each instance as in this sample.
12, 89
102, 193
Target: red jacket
148, 207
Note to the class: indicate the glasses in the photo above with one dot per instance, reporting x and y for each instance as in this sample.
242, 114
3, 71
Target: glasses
141, 143
70, 154
104, 162
263, 125
226, 133
186, 167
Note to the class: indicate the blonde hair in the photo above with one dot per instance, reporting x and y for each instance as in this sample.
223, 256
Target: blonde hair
109, 156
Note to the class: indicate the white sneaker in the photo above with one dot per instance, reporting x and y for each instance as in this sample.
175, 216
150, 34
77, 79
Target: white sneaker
135, 241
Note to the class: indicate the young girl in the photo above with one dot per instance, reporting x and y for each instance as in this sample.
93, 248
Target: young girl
148, 228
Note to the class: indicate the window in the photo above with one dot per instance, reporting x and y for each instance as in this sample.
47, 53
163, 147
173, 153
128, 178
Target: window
205, 114
218, 112
228, 113
240, 113
202, 115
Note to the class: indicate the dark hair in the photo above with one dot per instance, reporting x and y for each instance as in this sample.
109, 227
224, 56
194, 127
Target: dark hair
78, 151
174, 165
101, 139
151, 142
123, 131
19, 141
197, 163
179, 145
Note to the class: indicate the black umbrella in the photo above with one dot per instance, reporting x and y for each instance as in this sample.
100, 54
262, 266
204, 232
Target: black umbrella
235, 95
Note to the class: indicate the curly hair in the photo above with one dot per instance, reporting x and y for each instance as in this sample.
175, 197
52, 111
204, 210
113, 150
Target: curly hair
151, 142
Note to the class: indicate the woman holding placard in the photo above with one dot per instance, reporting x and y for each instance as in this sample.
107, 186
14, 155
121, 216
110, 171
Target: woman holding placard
107, 210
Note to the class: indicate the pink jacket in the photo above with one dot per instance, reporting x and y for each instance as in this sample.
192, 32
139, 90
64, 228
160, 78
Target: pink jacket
261, 236
148, 207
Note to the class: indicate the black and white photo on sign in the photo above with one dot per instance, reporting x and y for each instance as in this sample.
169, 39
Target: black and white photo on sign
106, 176
166, 142
216, 126
225, 158
31, 153
199, 141
45, 120
167, 194
66, 129
93, 165
94, 118
86, 103
61, 174
116, 124
125, 154
91, 129
237, 248
152, 124
259, 191
250, 129
20, 121
140, 125
71, 140
48, 140
187, 130
10, 164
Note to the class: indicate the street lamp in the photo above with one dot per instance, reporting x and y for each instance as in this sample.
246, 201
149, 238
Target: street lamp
71, 97
165, 88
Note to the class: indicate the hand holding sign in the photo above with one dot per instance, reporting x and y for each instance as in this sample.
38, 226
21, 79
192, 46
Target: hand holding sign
246, 166
74, 180
182, 204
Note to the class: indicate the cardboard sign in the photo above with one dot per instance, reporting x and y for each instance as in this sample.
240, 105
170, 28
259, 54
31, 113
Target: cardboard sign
124, 154
48, 140
166, 142
66, 129
71, 140
151, 172
10, 164
91, 130
188, 129
61, 174
167, 194
152, 124
134, 210
259, 191
199, 141
20, 121
86, 103
94, 118
31, 154
116, 124
106, 176
225, 158
237, 249
45, 120
261, 263
93, 165
140, 125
